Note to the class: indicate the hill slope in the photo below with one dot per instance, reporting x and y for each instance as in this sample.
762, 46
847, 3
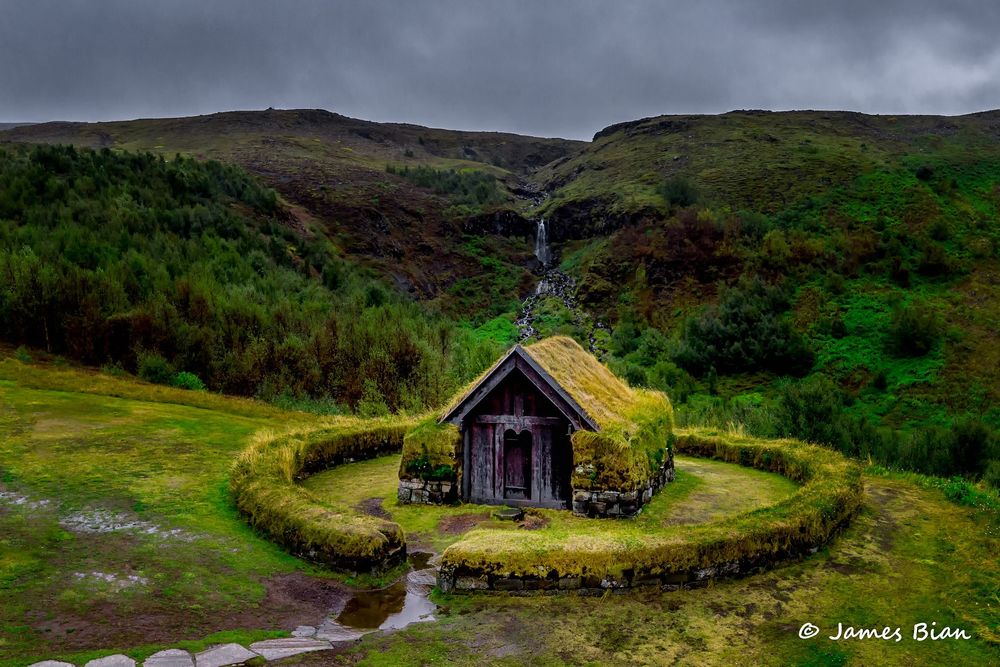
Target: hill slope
333, 169
732, 254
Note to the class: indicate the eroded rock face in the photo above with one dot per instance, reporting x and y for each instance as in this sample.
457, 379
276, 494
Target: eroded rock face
501, 223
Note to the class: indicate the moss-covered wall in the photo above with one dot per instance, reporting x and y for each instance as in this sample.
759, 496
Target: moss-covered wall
263, 483
432, 451
674, 557
628, 454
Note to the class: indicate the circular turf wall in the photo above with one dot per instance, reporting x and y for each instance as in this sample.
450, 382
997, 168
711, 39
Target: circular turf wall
674, 557
264, 485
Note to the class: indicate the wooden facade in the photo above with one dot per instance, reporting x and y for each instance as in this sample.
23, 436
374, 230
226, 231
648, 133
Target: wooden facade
516, 425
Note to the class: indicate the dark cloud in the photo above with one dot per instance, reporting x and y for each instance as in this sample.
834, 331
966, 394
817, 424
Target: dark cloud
563, 68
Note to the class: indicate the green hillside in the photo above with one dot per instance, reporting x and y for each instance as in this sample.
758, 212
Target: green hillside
827, 275
334, 170
859, 250
192, 273
831, 277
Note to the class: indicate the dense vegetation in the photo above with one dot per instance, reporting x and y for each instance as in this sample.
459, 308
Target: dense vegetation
467, 188
190, 272
824, 276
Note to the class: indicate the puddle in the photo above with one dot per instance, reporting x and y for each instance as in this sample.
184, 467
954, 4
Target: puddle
394, 607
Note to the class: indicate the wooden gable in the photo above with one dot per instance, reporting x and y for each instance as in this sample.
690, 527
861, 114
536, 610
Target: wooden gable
520, 360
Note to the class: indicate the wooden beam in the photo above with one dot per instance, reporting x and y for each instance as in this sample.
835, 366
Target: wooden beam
545, 383
525, 420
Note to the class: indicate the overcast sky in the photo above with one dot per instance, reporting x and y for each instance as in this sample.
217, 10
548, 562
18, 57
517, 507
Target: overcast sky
555, 68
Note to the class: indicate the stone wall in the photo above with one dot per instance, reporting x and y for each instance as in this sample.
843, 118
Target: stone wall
428, 492
622, 504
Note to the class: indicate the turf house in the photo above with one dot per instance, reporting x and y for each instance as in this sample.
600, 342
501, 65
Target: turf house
546, 426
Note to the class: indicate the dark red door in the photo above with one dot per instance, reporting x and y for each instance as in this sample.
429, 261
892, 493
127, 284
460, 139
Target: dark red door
517, 465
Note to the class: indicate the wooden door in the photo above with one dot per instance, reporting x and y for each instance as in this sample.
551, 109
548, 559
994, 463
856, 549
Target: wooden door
517, 465
481, 457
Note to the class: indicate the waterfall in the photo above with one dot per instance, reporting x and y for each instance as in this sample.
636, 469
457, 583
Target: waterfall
542, 244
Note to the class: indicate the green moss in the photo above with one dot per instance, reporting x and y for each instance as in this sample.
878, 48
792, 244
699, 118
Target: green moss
626, 453
431, 450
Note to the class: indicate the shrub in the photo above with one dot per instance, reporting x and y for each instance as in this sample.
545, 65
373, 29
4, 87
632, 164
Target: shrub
973, 442
913, 330
934, 260
747, 331
22, 355
114, 369
991, 476
186, 380
939, 230
924, 172
288, 400
838, 329
812, 410
372, 403
670, 378
679, 191
465, 187
881, 381
154, 368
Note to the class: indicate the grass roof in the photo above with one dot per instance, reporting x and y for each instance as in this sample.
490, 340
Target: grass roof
595, 388
604, 397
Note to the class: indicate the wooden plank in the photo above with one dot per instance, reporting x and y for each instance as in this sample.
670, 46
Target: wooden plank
466, 463
482, 461
522, 422
496, 489
541, 463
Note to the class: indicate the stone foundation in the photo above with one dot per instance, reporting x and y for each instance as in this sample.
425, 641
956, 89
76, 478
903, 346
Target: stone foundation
427, 492
622, 504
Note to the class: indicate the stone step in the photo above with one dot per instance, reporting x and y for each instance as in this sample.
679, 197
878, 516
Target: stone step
220, 656
275, 649
117, 660
172, 657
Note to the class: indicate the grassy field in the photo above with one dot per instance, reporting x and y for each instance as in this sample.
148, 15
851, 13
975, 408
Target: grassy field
704, 490
910, 557
116, 528
117, 533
